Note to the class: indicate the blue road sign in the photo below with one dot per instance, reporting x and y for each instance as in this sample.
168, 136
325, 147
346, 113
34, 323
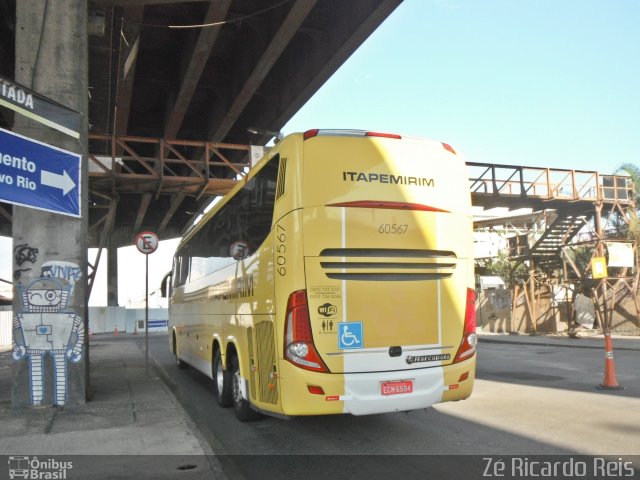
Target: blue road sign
37, 175
350, 335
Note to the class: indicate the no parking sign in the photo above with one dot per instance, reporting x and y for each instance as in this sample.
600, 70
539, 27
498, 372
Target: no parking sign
147, 242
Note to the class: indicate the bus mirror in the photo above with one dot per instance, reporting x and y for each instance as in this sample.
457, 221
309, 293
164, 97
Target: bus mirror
165, 285
239, 250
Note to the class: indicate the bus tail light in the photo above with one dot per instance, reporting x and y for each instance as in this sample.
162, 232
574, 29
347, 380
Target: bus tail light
469, 338
348, 133
449, 148
383, 135
388, 205
299, 348
311, 133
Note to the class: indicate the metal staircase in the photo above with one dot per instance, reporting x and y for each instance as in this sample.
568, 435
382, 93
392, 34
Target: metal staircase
546, 251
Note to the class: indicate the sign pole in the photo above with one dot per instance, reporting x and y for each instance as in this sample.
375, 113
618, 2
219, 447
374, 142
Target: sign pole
146, 315
146, 243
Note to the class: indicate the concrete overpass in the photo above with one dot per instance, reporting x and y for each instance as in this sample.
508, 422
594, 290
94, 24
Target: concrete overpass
198, 72
184, 81
171, 81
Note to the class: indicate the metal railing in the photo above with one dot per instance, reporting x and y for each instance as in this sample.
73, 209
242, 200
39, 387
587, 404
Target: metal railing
166, 165
548, 183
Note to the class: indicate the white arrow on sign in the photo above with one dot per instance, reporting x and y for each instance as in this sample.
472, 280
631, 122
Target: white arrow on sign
63, 182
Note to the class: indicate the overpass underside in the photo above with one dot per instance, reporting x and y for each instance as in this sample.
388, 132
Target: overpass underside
578, 217
179, 88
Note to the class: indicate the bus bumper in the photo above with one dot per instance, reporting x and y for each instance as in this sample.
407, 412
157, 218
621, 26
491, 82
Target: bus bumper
361, 393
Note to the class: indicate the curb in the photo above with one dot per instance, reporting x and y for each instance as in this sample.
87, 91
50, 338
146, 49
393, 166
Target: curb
211, 454
214, 450
551, 344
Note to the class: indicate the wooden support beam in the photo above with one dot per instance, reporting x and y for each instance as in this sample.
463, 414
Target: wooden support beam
109, 223
133, 3
283, 36
175, 203
5, 213
132, 16
142, 210
216, 12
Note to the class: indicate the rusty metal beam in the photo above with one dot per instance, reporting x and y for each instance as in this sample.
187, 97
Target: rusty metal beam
138, 158
283, 36
181, 158
159, 174
496, 184
216, 12
124, 181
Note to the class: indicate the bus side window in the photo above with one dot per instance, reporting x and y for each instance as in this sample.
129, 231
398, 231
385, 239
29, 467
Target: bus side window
236, 231
259, 213
180, 270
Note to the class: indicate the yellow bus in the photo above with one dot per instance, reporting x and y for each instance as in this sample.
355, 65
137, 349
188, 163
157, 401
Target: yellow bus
336, 277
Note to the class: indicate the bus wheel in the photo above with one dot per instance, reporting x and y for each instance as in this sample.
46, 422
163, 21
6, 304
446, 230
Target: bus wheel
181, 365
242, 407
221, 381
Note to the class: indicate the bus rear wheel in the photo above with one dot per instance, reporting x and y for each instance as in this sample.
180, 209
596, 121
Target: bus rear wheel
221, 381
242, 407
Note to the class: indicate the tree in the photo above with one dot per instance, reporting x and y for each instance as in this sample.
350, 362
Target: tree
510, 271
633, 171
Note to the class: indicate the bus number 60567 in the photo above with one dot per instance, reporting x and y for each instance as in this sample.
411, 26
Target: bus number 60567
393, 229
281, 249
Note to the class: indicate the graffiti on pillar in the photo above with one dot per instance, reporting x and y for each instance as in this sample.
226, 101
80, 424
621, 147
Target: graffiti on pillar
46, 326
58, 269
21, 254
24, 253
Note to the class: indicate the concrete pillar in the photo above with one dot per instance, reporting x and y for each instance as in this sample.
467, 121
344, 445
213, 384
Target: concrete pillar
112, 275
50, 349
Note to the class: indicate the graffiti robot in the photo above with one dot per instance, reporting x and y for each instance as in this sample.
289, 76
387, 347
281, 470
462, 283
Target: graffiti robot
45, 328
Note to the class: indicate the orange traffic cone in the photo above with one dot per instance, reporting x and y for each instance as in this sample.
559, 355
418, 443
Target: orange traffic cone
610, 381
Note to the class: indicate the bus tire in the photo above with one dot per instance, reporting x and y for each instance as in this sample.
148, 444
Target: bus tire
242, 407
181, 364
221, 381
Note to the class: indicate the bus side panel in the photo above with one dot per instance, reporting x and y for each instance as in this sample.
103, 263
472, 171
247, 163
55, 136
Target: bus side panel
199, 311
289, 277
236, 303
253, 328
455, 388
288, 260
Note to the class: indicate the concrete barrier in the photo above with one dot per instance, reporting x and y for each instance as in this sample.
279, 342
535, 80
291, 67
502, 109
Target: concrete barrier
129, 320
102, 320
5, 328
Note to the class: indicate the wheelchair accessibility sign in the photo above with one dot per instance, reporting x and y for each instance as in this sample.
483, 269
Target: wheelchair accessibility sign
350, 335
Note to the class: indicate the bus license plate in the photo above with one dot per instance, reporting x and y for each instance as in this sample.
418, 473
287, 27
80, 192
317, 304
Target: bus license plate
395, 388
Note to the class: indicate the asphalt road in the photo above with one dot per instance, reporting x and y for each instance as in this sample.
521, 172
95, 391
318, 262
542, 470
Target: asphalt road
528, 400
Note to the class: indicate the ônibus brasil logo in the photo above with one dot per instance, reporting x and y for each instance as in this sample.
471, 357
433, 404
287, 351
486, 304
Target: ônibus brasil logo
34, 468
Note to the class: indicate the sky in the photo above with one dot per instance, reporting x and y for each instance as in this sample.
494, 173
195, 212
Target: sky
549, 83
542, 83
